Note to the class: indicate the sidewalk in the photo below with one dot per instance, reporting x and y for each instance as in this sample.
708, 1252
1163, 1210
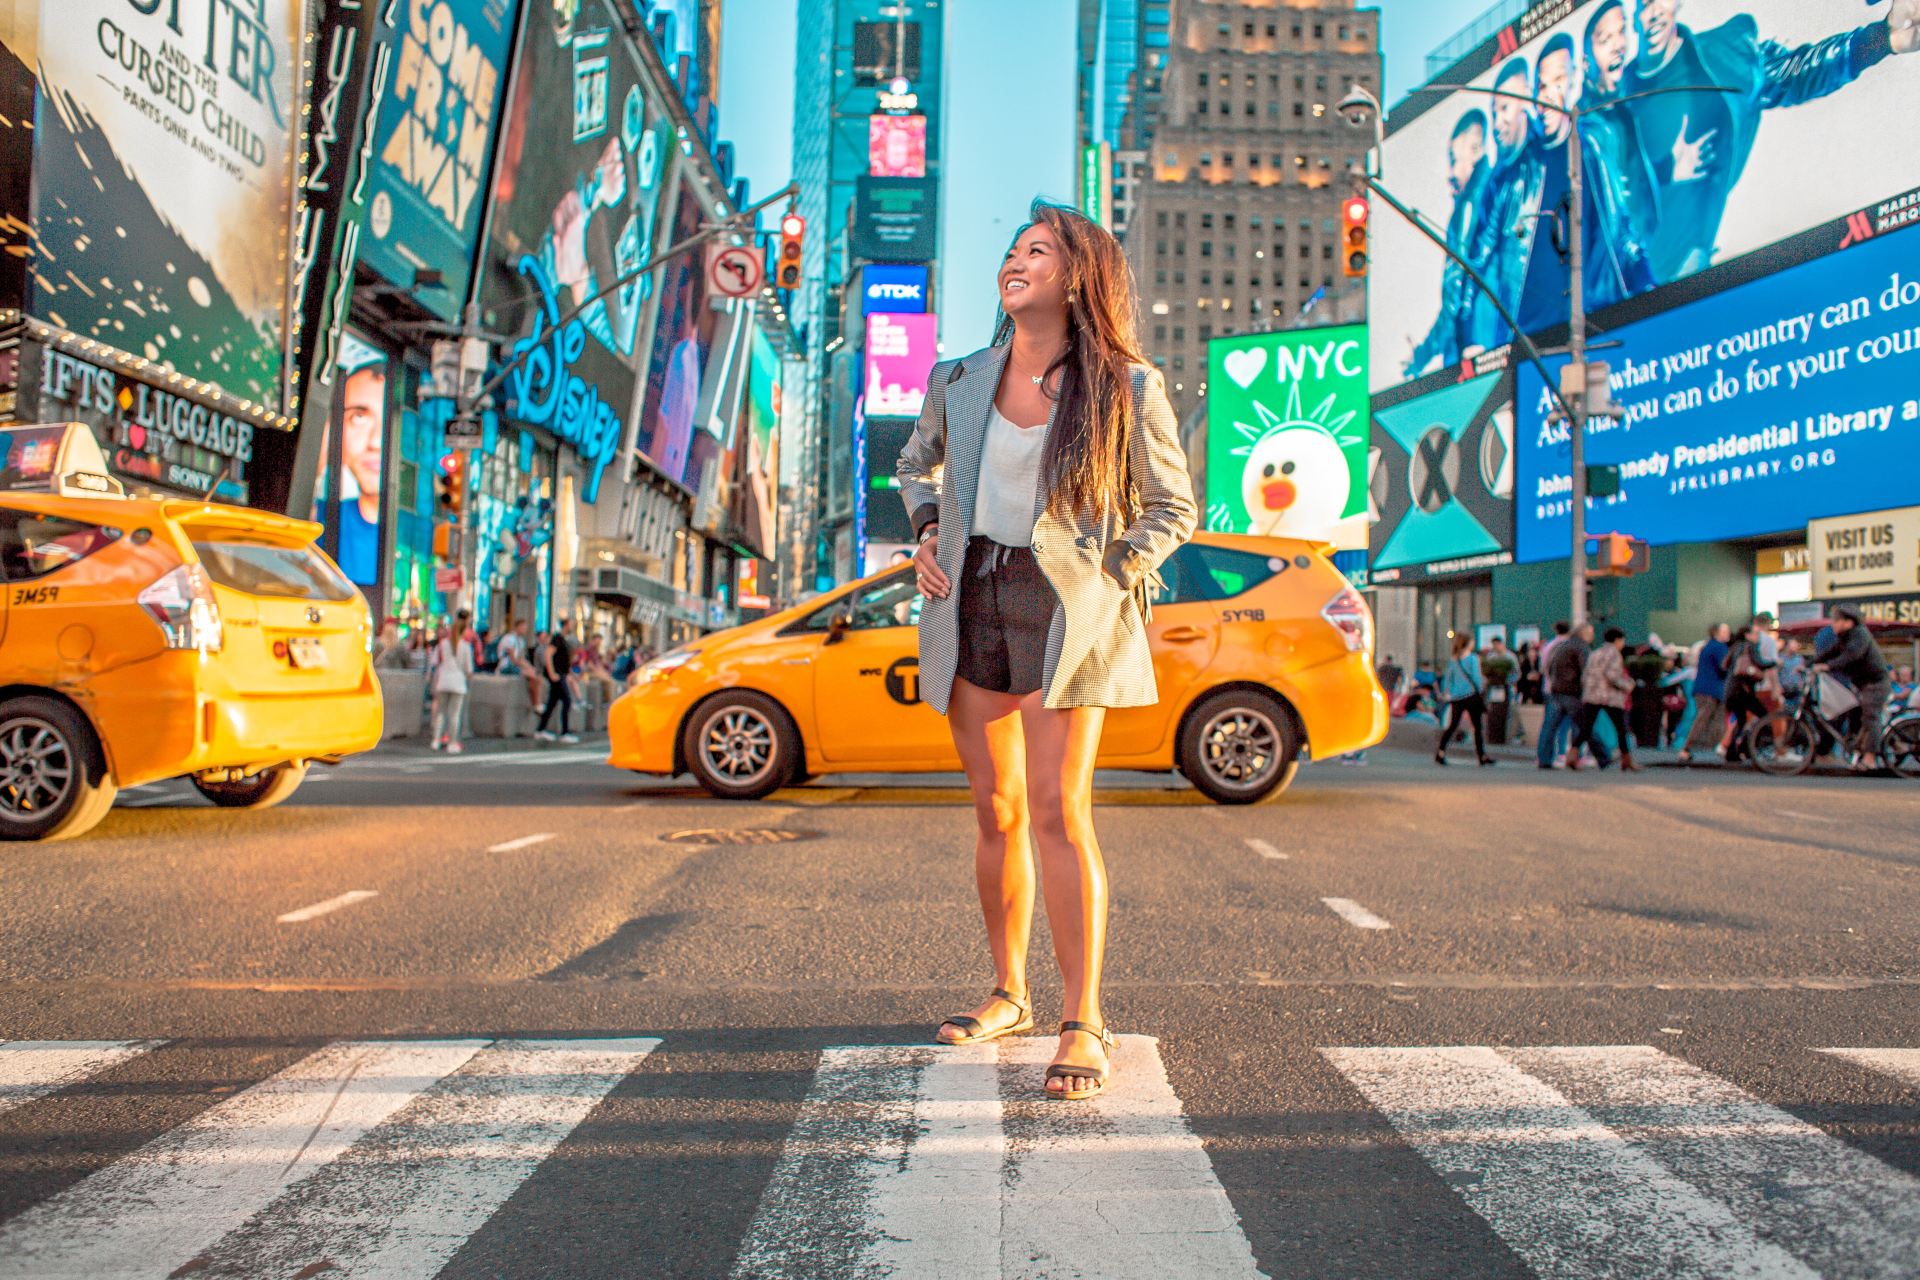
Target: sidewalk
416, 748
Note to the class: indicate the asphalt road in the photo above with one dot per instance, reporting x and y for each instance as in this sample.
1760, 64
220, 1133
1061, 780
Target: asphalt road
521, 1015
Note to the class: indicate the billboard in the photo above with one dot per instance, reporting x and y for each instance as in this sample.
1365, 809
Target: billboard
161, 131
671, 435
893, 219
1752, 411
433, 136
1287, 434
1676, 180
883, 51
758, 451
892, 287
897, 146
900, 354
1875, 553
1441, 482
351, 510
575, 195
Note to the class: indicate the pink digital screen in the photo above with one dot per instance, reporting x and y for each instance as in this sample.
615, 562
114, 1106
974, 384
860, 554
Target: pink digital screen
897, 146
900, 355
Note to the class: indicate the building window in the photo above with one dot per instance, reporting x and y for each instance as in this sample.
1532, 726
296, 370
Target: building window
1179, 363
1319, 31
1320, 83
1159, 333
1326, 251
1296, 31
1226, 277
1160, 276
1343, 31
1160, 247
1179, 333
1226, 221
1201, 109
1248, 108
1306, 251
1206, 221
1273, 31
1231, 246
1180, 277
1206, 248
1160, 219
1180, 219
1249, 31
1206, 332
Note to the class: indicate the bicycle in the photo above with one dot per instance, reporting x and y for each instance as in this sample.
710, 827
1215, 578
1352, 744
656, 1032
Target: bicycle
1900, 740
1787, 742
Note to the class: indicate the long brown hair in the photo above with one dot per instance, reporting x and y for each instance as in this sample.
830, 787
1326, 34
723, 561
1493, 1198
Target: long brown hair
1085, 460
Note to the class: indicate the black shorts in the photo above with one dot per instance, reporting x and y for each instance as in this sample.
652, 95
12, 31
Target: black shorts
1006, 609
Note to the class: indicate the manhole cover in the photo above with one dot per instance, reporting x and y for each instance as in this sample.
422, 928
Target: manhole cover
739, 835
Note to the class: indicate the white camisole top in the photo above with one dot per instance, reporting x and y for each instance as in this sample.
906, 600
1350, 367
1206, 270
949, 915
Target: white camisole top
1009, 481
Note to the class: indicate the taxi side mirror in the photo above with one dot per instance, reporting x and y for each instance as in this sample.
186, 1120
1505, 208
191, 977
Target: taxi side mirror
838, 626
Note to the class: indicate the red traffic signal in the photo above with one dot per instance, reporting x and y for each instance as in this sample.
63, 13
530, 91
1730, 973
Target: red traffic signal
786, 267
1353, 237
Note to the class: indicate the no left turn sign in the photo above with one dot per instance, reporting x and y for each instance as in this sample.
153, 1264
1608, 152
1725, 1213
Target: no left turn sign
736, 272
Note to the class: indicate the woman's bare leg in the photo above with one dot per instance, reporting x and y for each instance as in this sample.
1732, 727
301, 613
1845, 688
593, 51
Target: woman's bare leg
1061, 746
986, 731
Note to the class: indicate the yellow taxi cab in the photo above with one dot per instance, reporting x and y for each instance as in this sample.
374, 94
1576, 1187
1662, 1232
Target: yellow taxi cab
145, 638
1262, 652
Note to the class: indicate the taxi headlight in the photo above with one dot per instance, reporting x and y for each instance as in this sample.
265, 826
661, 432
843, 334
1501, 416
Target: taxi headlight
666, 664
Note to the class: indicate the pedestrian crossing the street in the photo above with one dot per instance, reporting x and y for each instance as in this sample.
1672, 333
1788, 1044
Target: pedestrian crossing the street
384, 1158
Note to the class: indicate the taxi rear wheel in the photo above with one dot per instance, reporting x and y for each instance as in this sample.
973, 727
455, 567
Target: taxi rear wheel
742, 746
261, 791
54, 782
1239, 747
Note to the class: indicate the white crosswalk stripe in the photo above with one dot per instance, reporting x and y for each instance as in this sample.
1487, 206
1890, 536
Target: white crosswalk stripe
382, 1160
32, 1068
949, 1163
1621, 1160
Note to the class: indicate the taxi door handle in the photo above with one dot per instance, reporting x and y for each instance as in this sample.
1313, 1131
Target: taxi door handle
1183, 635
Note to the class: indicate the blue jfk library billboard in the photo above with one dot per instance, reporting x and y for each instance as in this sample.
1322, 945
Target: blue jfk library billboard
1748, 412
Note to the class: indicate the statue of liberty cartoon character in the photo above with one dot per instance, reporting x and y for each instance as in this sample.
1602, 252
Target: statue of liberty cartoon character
1295, 482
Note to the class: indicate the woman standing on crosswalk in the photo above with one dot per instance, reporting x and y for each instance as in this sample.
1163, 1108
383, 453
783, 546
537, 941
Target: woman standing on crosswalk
1046, 483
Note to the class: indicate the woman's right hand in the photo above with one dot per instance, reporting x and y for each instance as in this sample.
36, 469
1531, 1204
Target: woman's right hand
932, 582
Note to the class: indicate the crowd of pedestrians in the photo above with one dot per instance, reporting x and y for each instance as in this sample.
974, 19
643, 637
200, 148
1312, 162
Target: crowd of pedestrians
556, 666
1603, 698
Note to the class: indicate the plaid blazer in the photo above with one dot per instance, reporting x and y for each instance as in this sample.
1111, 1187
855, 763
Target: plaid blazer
1097, 654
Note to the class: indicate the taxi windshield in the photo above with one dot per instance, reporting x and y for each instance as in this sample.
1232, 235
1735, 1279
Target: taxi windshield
266, 569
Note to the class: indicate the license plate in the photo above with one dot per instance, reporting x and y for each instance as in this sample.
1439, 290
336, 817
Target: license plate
306, 652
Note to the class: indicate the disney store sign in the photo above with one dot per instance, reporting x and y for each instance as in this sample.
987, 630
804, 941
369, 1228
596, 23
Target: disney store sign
548, 393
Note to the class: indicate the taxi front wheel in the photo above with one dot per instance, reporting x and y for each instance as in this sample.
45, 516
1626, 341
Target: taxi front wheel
1239, 747
261, 791
54, 782
742, 746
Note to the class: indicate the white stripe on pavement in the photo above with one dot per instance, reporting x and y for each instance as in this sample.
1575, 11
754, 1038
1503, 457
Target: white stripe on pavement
403, 1200
332, 904
31, 1068
1571, 1197
1265, 850
952, 1163
1902, 1064
1355, 914
508, 846
1117, 1188
1836, 1208
155, 1210
896, 1155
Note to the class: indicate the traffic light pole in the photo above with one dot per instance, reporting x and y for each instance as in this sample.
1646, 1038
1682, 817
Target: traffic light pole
723, 227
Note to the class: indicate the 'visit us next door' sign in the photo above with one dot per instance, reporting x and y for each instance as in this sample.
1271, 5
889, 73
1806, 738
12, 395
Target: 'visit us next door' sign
1876, 553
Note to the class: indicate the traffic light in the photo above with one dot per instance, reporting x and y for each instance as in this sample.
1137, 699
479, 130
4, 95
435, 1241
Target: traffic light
1616, 555
786, 270
450, 484
1353, 237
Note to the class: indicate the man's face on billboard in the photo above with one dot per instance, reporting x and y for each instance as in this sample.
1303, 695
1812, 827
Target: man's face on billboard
1510, 114
1610, 48
362, 428
1556, 85
1659, 27
1468, 148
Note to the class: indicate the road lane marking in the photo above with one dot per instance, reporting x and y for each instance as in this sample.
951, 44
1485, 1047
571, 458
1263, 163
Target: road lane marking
401, 1202
909, 1136
1118, 1187
1570, 1196
332, 904
1354, 914
153, 1211
508, 846
950, 1162
1902, 1064
1795, 813
1833, 1207
1265, 850
32, 1068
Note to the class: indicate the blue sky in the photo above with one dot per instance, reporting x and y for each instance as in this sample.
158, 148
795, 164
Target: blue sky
756, 111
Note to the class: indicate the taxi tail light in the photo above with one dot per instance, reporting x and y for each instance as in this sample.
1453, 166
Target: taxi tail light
181, 603
1349, 615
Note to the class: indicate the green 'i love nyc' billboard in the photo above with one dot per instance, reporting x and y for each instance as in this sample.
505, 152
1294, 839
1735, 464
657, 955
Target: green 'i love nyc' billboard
1287, 434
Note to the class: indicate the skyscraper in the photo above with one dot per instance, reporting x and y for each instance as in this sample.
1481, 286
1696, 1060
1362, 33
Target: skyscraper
1237, 218
866, 147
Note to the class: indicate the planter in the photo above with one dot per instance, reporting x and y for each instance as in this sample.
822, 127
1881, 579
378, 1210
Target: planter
1645, 715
